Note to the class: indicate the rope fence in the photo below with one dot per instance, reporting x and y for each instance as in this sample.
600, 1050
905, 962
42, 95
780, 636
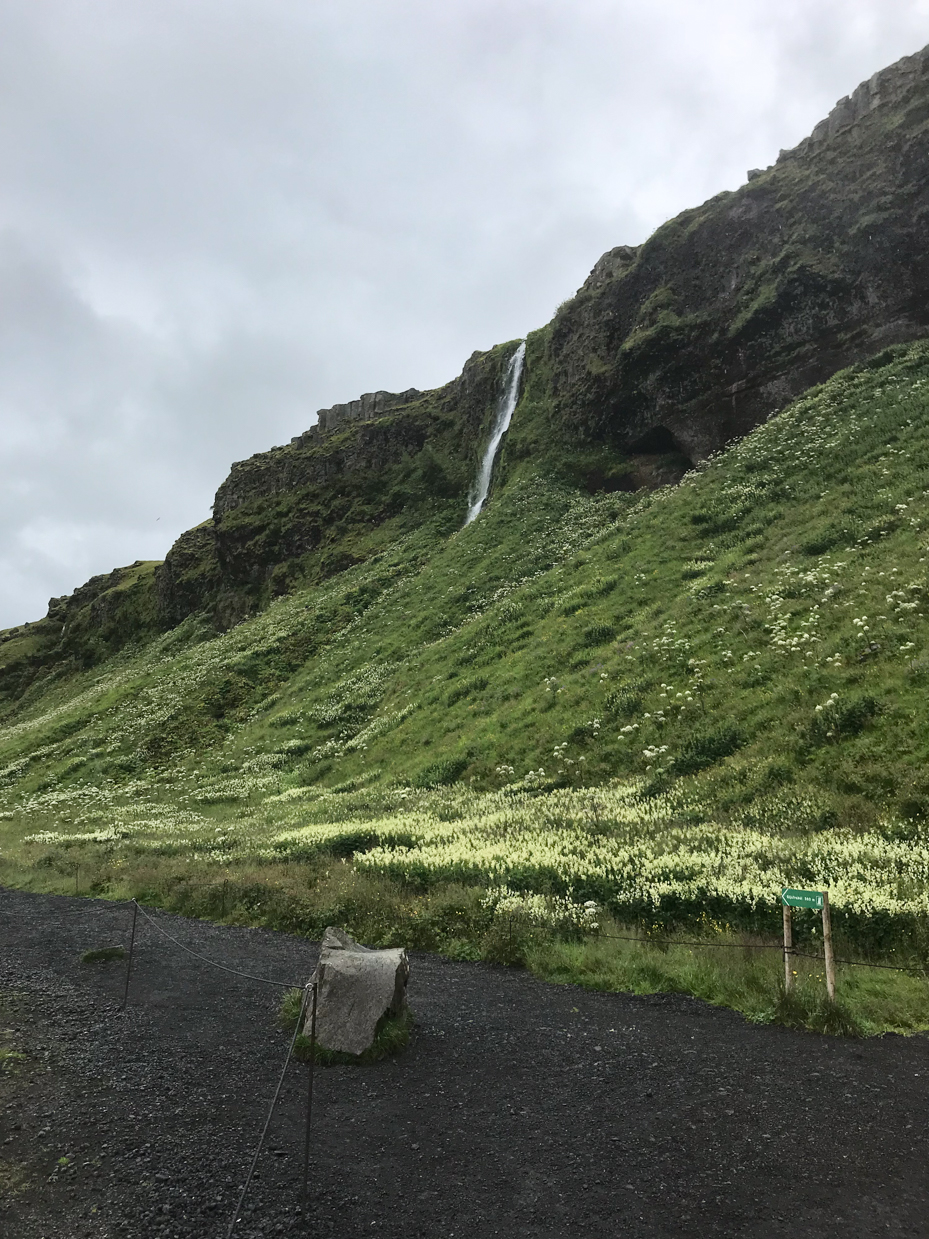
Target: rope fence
310, 991
222, 886
759, 946
277, 1092
212, 962
642, 941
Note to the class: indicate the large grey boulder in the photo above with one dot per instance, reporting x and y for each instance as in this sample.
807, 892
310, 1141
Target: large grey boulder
357, 985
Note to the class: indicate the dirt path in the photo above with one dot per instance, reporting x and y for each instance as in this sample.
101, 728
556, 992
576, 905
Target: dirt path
521, 1109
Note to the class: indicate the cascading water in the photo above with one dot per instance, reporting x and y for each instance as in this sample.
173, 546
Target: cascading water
505, 407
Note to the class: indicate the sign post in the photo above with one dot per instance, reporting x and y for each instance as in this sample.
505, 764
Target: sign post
818, 901
827, 949
802, 899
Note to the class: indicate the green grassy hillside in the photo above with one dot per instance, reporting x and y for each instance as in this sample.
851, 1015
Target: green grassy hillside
668, 703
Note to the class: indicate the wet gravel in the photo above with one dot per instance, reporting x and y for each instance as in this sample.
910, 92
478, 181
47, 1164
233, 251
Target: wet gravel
520, 1109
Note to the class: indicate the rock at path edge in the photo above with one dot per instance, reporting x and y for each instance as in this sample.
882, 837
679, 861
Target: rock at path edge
358, 986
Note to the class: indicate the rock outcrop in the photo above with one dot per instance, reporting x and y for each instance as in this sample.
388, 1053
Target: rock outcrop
357, 987
613, 263
730, 310
364, 409
83, 628
306, 510
886, 88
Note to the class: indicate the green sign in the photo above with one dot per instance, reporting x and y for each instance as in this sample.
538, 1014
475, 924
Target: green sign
802, 899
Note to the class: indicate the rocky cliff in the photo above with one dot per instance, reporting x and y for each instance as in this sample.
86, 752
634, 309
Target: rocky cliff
669, 350
364, 409
731, 309
335, 494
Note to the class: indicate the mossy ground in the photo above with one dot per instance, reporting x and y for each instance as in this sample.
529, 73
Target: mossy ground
741, 658
103, 955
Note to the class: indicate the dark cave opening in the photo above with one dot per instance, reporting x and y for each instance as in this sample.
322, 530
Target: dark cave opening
658, 441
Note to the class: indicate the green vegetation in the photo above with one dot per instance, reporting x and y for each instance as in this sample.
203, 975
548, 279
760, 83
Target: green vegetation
9, 1058
14, 1179
391, 1036
666, 704
103, 954
734, 973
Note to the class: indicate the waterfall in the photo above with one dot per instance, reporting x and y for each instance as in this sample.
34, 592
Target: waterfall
505, 406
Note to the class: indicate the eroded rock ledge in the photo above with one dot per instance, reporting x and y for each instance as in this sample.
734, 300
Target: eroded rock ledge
372, 404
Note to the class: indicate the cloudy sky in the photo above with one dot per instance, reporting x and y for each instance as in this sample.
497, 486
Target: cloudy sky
217, 216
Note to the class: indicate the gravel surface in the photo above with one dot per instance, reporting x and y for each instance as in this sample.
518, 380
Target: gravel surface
520, 1108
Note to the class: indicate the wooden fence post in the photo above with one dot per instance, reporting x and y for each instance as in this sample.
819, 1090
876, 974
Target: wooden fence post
827, 949
788, 948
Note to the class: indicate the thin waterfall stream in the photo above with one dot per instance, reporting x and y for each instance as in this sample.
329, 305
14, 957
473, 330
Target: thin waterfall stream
505, 407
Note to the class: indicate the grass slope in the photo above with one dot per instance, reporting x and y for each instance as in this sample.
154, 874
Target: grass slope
666, 703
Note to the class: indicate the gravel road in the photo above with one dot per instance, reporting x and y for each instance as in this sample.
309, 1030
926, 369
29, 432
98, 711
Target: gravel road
520, 1109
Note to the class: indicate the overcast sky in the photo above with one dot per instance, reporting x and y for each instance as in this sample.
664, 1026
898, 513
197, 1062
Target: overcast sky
217, 216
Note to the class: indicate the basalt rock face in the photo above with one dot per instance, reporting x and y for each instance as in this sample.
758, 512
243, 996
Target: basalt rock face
371, 445
312, 508
80, 629
103, 613
732, 309
364, 409
189, 575
668, 351
378, 430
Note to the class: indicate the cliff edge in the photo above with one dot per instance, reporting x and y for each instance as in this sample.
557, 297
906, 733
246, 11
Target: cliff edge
669, 350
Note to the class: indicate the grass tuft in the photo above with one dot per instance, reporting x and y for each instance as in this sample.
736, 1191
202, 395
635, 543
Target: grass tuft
391, 1036
817, 1014
103, 954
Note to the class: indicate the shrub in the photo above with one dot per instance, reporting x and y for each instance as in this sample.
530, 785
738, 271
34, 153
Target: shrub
843, 718
853, 716
440, 773
826, 539
466, 687
624, 700
705, 750
708, 589
598, 634
716, 519
509, 940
